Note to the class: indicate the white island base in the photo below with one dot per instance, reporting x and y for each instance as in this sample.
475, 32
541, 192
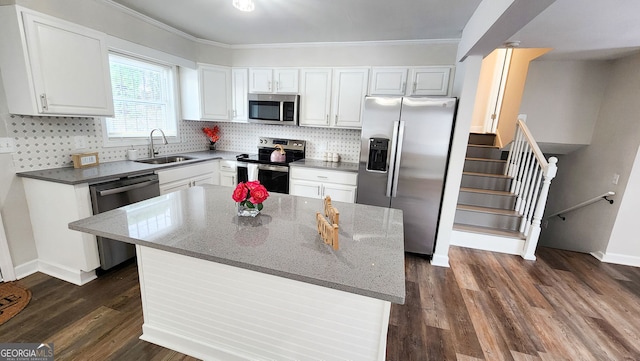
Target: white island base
213, 311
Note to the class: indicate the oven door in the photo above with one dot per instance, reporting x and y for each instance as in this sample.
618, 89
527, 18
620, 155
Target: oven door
274, 177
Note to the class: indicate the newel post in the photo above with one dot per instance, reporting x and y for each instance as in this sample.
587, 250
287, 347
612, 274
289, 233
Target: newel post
529, 249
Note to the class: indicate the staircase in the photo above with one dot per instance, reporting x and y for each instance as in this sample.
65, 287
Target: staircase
486, 216
502, 199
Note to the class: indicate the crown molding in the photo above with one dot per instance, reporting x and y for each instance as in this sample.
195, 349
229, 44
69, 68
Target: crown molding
160, 24
190, 37
348, 43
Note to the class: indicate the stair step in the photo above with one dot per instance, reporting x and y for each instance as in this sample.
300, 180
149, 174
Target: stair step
488, 230
483, 151
503, 212
498, 182
487, 191
486, 198
484, 165
505, 219
482, 138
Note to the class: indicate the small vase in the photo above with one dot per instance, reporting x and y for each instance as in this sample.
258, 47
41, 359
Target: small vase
212, 145
244, 211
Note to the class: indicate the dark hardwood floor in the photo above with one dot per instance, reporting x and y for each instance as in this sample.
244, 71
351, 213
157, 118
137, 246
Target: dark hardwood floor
487, 306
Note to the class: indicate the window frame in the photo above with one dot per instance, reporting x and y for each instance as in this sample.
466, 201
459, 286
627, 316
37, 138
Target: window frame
108, 142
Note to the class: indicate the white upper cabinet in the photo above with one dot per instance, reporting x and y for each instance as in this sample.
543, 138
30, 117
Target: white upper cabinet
388, 81
349, 89
430, 80
239, 89
206, 93
53, 67
215, 84
267, 80
315, 97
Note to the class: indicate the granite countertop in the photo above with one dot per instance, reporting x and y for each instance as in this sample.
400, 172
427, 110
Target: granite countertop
282, 240
321, 164
111, 170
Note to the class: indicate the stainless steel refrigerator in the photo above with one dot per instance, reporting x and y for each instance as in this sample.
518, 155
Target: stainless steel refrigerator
403, 161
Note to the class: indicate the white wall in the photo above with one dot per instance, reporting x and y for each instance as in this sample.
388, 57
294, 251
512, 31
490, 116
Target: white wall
374, 53
562, 99
13, 203
623, 245
588, 172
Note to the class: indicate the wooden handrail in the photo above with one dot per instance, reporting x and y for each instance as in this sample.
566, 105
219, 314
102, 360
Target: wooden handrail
534, 145
583, 204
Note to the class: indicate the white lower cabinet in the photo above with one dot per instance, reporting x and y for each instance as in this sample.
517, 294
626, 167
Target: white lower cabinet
178, 178
319, 183
228, 173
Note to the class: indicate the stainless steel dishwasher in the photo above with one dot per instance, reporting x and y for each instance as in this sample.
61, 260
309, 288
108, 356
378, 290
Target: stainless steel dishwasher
114, 194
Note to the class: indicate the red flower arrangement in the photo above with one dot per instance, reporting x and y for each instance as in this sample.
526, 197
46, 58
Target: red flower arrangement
212, 133
250, 194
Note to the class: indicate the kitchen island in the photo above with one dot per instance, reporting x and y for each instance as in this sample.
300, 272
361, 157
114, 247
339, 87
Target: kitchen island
222, 287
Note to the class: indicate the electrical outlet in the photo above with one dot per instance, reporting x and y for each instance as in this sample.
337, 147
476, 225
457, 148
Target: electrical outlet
616, 178
7, 145
80, 141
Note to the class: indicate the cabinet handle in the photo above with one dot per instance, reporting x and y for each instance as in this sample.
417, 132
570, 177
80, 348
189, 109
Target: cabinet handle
404, 87
336, 118
43, 100
415, 85
269, 85
327, 118
277, 85
318, 190
235, 113
322, 177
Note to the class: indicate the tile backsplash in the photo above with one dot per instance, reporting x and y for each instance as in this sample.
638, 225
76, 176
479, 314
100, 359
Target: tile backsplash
48, 142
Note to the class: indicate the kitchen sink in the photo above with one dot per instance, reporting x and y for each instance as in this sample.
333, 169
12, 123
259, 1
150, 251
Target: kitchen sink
165, 160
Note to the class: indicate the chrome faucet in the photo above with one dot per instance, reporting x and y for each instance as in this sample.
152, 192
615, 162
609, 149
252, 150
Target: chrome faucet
152, 151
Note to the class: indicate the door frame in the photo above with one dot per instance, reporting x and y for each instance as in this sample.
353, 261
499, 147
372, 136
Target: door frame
6, 264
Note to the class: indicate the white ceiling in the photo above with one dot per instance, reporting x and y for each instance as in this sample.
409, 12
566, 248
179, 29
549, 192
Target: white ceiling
302, 21
576, 29
585, 29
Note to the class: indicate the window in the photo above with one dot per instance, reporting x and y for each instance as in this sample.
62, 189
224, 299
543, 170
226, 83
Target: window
143, 99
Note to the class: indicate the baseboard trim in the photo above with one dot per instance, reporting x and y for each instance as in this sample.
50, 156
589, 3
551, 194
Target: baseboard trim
617, 259
26, 269
440, 261
77, 277
487, 242
186, 346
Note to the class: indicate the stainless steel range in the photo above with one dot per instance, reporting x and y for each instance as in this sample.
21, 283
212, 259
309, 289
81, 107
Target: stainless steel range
272, 172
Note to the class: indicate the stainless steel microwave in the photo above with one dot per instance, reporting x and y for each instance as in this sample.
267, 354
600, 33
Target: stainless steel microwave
273, 109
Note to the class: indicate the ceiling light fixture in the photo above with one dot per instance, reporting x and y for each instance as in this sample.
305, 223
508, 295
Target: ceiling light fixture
244, 5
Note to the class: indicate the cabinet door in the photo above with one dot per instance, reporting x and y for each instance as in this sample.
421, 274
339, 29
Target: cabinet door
215, 92
349, 89
305, 188
388, 81
203, 179
339, 192
239, 93
315, 97
286, 80
175, 186
70, 67
228, 179
260, 80
430, 80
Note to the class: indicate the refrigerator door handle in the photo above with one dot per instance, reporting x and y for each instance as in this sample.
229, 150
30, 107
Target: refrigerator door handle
392, 162
396, 168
